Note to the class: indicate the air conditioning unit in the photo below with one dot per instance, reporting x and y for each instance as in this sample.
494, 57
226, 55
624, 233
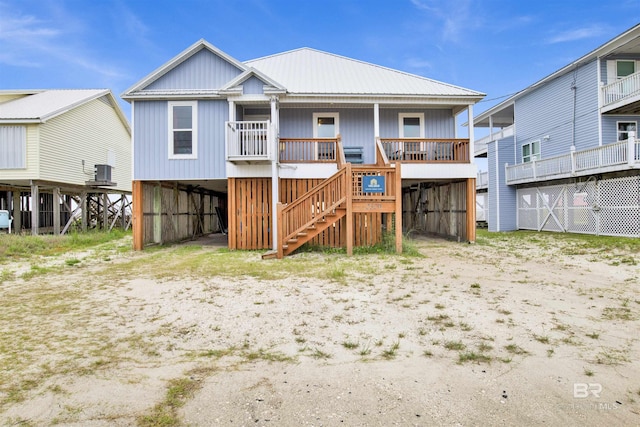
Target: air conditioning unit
103, 173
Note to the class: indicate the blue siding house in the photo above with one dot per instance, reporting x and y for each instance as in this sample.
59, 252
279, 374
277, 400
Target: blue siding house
563, 153
220, 144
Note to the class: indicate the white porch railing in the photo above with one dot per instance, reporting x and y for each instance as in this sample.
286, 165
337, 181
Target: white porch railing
481, 143
249, 140
610, 157
620, 89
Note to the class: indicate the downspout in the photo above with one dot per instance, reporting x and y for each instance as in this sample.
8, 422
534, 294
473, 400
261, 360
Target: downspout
574, 88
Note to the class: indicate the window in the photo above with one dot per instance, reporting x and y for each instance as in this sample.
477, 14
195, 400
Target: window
625, 68
13, 147
411, 125
531, 151
624, 128
183, 125
325, 125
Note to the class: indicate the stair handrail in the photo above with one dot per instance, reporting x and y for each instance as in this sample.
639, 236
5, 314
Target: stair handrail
381, 156
343, 174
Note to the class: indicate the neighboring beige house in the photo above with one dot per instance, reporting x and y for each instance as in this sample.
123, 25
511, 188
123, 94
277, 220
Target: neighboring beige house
64, 154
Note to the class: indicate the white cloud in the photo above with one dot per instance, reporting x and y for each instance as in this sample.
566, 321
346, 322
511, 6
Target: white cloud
455, 17
576, 34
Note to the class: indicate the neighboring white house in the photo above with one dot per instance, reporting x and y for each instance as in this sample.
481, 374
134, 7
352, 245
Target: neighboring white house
62, 149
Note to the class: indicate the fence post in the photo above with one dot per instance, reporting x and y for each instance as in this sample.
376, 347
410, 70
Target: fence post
573, 159
533, 165
631, 148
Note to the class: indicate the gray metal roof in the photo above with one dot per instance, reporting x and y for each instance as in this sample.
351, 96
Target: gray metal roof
41, 105
310, 71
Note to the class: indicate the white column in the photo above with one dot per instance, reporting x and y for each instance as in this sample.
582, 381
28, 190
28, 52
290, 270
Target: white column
275, 175
631, 148
35, 209
472, 149
376, 120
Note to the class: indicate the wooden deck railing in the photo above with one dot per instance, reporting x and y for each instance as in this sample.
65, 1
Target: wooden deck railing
308, 150
421, 150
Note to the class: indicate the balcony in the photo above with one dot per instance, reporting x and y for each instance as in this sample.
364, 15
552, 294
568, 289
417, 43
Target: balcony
308, 150
420, 150
250, 142
620, 156
482, 181
622, 96
481, 143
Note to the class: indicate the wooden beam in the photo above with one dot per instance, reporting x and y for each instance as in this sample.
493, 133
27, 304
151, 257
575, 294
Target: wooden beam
471, 210
398, 193
137, 216
56, 211
17, 212
348, 185
35, 209
84, 210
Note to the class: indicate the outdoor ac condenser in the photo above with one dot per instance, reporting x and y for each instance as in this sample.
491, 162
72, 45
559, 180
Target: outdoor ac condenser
103, 173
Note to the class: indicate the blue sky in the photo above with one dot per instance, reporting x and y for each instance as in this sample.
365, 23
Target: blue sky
493, 46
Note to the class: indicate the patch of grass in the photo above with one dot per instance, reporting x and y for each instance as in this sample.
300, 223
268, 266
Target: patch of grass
427, 353
454, 345
472, 356
350, 345
484, 347
588, 372
550, 352
544, 339
392, 351
319, 354
72, 261
593, 335
617, 313
515, 349
270, 356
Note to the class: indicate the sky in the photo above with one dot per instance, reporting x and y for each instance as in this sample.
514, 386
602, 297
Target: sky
497, 47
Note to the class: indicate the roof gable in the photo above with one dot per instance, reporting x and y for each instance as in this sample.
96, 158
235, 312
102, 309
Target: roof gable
310, 71
251, 74
201, 66
38, 106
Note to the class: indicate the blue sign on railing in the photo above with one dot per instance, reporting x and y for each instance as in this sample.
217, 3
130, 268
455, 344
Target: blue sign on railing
373, 184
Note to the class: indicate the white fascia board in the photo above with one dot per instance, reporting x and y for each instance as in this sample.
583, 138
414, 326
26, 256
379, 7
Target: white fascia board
21, 121
382, 100
439, 171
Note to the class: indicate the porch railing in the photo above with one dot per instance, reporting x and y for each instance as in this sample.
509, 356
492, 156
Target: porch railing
577, 162
249, 139
482, 181
421, 150
620, 89
308, 150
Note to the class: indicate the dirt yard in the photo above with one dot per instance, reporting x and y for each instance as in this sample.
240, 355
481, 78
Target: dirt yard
521, 329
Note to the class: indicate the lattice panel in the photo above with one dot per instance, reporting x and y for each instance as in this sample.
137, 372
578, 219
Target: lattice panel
610, 207
482, 206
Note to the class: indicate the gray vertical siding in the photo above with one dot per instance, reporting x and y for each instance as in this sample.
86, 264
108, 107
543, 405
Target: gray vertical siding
502, 198
548, 110
151, 158
253, 86
204, 70
438, 123
610, 127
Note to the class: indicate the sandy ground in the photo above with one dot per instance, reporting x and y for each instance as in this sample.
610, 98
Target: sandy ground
525, 333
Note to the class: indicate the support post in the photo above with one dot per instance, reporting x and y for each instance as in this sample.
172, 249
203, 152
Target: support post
471, 210
398, 213
157, 214
105, 211
17, 212
137, 216
35, 209
631, 148
84, 203
56, 211
231, 214
472, 138
348, 185
279, 218
376, 120
572, 153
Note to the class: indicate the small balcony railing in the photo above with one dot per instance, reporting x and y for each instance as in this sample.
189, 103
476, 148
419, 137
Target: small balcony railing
308, 150
608, 158
621, 89
420, 150
482, 181
249, 140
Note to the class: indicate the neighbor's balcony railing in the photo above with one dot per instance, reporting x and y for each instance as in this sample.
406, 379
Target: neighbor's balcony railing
607, 158
249, 140
621, 89
482, 181
421, 150
308, 150
481, 143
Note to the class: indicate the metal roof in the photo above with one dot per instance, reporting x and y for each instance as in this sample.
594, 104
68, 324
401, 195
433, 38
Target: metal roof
310, 71
41, 105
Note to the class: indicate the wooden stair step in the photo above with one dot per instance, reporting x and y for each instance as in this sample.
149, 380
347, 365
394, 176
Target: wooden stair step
270, 255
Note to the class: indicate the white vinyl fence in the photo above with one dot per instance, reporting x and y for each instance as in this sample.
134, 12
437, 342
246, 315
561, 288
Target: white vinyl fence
607, 207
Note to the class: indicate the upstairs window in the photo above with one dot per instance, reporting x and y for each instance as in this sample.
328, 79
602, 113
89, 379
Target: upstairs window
624, 128
411, 125
325, 125
625, 68
531, 151
183, 125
